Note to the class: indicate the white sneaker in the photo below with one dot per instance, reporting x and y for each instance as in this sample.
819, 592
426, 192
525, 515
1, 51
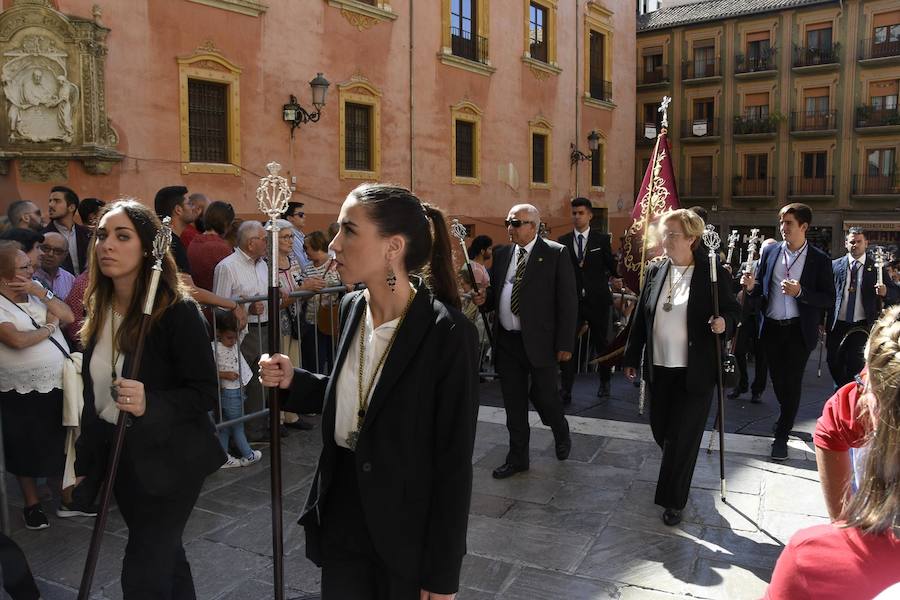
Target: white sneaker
257, 456
231, 463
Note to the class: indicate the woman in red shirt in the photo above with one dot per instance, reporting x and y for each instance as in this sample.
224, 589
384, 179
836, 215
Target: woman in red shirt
859, 556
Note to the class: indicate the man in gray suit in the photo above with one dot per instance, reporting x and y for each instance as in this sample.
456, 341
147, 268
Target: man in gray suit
533, 291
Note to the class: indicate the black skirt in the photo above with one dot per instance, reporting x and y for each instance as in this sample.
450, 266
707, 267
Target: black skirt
34, 438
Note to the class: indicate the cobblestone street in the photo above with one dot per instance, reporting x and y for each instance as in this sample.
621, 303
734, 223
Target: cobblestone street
585, 528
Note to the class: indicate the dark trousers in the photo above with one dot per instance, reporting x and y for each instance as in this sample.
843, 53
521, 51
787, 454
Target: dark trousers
17, 579
748, 342
787, 356
351, 569
597, 319
677, 420
845, 362
519, 381
155, 566
255, 342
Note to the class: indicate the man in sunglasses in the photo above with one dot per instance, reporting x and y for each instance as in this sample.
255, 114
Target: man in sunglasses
51, 274
533, 291
296, 217
592, 260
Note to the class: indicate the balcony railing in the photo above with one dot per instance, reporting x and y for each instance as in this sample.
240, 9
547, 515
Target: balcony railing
754, 64
601, 89
697, 69
466, 45
700, 128
750, 125
877, 184
658, 75
697, 187
866, 116
814, 121
812, 186
810, 57
869, 49
753, 188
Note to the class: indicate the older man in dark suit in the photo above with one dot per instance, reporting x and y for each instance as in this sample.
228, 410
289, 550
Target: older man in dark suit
533, 291
592, 260
856, 300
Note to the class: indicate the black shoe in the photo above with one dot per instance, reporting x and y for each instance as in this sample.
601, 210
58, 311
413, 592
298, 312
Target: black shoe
283, 431
563, 447
35, 518
756, 398
603, 390
507, 470
302, 425
671, 516
74, 509
735, 394
565, 397
779, 450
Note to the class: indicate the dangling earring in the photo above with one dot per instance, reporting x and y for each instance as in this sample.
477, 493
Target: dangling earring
392, 279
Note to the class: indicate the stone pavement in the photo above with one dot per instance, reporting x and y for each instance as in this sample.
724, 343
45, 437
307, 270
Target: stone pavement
585, 528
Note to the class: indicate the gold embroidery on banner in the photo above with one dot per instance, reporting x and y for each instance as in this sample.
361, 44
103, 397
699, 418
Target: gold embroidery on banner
653, 205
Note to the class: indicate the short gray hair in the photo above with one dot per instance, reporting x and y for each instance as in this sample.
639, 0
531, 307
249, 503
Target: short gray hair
247, 230
284, 224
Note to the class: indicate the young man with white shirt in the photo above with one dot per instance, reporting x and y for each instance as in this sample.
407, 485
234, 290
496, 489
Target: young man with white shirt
856, 299
794, 284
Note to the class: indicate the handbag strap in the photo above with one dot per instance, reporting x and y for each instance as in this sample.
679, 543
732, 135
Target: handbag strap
36, 326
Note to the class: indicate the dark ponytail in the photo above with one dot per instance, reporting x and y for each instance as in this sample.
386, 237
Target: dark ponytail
397, 211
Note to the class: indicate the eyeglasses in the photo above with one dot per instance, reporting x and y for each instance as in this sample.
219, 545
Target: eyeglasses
47, 249
299, 213
516, 223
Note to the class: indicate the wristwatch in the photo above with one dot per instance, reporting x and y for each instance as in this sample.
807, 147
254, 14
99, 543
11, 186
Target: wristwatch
50, 295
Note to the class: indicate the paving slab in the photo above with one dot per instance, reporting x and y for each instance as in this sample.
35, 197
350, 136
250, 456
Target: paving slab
539, 584
527, 544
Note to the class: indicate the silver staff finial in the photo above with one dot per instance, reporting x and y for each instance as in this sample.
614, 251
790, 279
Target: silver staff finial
273, 192
162, 242
664, 109
710, 238
459, 230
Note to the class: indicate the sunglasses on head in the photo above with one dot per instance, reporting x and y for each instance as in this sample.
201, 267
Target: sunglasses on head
515, 223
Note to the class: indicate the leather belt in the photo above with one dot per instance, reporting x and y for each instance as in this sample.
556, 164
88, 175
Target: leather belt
783, 322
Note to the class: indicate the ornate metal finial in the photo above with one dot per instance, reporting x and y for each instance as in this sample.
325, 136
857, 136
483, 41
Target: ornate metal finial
711, 239
162, 242
459, 230
664, 109
273, 192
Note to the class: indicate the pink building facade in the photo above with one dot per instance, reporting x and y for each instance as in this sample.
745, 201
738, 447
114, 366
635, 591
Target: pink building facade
527, 80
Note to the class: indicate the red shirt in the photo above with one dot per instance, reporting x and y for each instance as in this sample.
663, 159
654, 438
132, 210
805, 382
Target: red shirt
188, 234
839, 427
204, 254
75, 300
830, 562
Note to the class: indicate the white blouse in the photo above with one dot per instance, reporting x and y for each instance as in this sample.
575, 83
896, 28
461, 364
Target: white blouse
38, 368
101, 369
231, 359
670, 337
347, 389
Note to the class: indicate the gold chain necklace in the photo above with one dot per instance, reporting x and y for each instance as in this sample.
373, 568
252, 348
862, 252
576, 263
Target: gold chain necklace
667, 305
363, 393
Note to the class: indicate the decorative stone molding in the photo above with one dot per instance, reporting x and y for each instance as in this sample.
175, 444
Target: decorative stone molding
244, 7
363, 16
449, 59
541, 70
52, 69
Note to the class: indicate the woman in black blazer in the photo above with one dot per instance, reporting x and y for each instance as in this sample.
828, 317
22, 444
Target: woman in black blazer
674, 332
170, 445
387, 513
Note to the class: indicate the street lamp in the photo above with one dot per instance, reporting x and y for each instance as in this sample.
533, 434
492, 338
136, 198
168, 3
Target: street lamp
296, 115
593, 143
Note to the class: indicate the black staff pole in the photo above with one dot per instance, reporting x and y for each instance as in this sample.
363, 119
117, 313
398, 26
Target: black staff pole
711, 240
161, 245
273, 194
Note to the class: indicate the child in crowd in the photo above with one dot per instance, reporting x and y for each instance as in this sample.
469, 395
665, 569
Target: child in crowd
234, 374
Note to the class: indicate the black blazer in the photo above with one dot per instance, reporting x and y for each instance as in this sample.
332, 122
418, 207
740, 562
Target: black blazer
701, 368
414, 454
816, 289
548, 305
174, 442
599, 264
840, 269
82, 241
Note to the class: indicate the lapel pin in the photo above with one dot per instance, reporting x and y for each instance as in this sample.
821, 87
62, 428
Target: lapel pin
541, 259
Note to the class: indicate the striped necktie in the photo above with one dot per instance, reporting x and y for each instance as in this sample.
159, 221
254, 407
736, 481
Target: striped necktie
520, 270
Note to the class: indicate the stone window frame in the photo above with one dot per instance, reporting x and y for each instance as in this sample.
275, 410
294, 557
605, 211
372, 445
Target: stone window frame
798, 149
359, 91
601, 148
361, 15
251, 8
540, 126
742, 151
210, 66
598, 19
483, 29
470, 113
542, 70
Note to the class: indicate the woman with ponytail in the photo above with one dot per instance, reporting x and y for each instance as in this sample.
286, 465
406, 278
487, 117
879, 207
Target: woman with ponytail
387, 513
